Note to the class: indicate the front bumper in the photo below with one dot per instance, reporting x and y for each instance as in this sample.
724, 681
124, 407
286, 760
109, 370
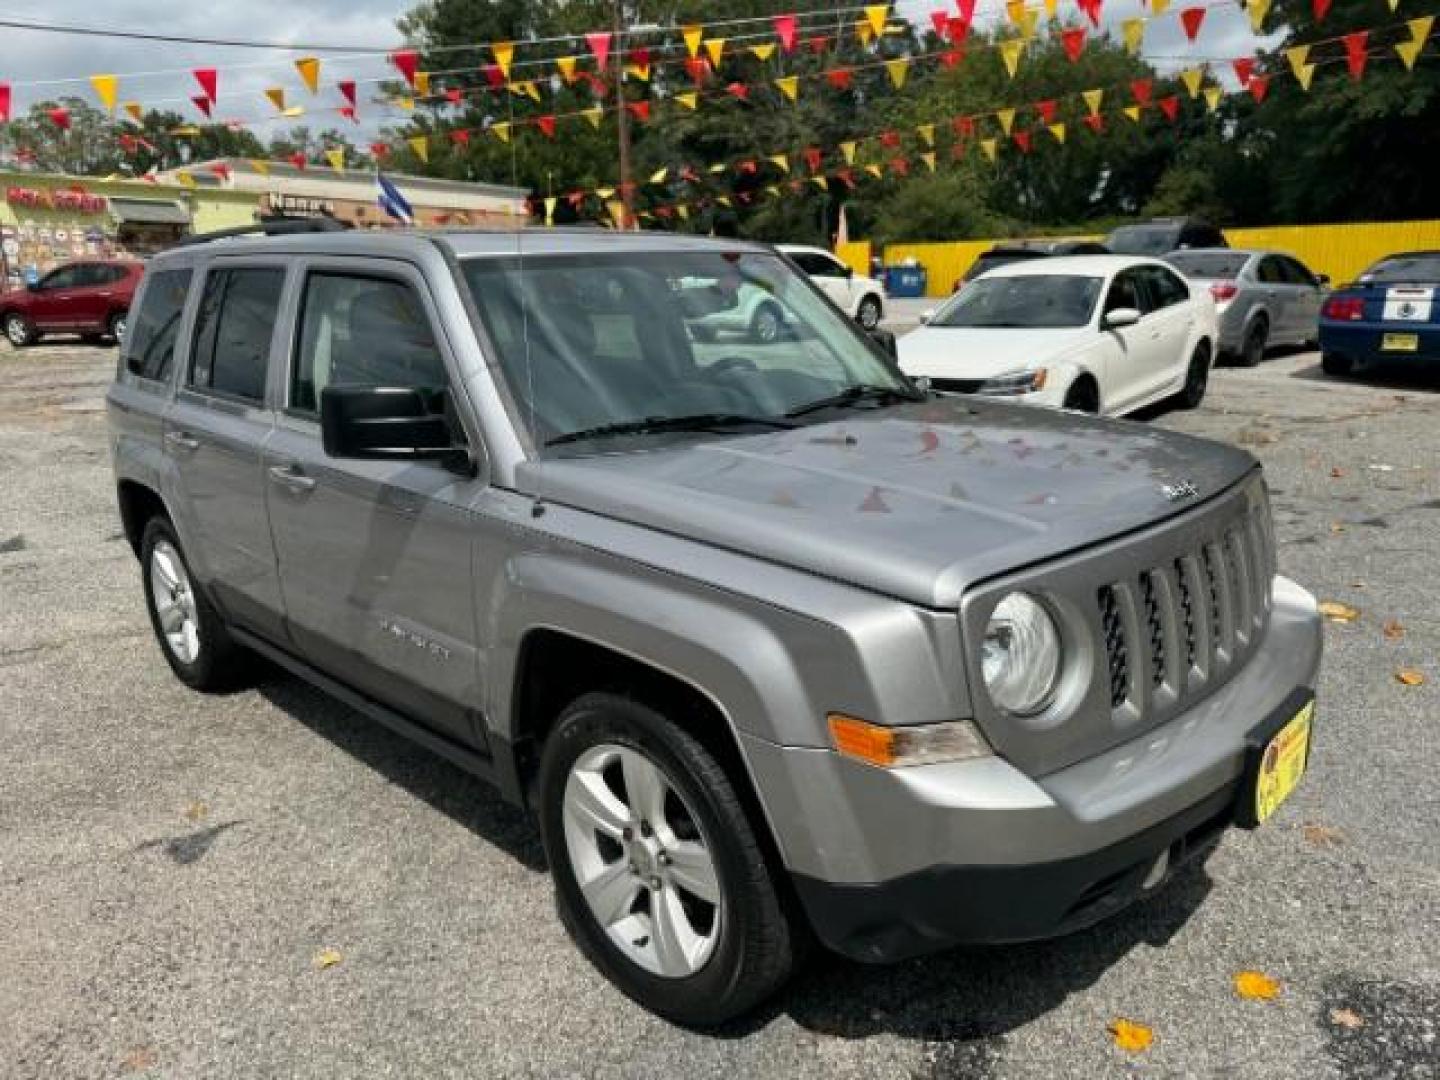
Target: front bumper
889, 863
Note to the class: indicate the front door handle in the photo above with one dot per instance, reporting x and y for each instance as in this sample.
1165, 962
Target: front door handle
287, 477
181, 440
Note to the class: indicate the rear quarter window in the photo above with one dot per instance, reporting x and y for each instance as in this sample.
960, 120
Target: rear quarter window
151, 337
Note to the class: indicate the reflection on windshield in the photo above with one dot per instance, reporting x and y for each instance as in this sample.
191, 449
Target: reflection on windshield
1034, 301
1403, 269
621, 344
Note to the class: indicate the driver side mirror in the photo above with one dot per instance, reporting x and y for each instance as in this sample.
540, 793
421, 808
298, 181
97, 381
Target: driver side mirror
1119, 318
383, 422
1323, 280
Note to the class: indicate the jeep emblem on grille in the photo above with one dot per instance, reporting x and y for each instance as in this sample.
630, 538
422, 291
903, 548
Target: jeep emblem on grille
1179, 491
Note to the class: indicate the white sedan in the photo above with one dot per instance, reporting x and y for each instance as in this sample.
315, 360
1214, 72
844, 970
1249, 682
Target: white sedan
1100, 333
756, 314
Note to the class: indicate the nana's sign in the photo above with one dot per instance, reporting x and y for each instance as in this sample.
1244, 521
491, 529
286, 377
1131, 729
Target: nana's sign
298, 205
46, 199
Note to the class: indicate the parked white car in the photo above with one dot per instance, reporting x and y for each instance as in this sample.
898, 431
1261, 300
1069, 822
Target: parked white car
756, 314
1099, 333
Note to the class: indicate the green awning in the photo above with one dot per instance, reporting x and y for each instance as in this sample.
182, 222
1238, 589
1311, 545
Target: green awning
149, 211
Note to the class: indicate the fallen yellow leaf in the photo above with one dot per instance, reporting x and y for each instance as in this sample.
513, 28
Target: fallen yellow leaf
1130, 1036
1337, 527
1393, 630
1337, 472
1410, 677
326, 958
1322, 835
1336, 611
1347, 1018
139, 1059
196, 810
1256, 985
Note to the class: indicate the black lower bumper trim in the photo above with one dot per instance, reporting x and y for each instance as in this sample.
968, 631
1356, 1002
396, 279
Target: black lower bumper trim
951, 905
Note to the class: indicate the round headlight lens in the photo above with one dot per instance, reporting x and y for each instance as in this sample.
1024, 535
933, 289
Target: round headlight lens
1020, 657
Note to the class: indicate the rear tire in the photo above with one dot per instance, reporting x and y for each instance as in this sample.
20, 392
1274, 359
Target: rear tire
1336, 364
1197, 378
1252, 351
869, 314
640, 809
19, 331
191, 633
1083, 396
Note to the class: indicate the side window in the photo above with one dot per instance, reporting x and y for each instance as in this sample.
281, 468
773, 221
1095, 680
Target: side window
67, 277
233, 330
111, 275
1296, 274
1125, 292
362, 331
150, 338
1269, 271
814, 265
1166, 288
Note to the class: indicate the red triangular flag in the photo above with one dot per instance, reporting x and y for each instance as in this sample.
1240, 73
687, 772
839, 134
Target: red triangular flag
952, 57
547, 125
1022, 140
202, 103
813, 157
494, 75
1321, 9
785, 31
738, 90
1046, 109
1074, 41
1170, 106
575, 198
60, 118
697, 67
454, 96
348, 112
890, 139
4, 101
639, 109
817, 44
639, 56
1190, 19
460, 137
1095, 122
939, 19
407, 62
379, 150
747, 167
957, 30
966, 9
1259, 84
347, 90
221, 170
1092, 9
1244, 69
1356, 45
209, 80
1141, 89
964, 127
839, 78
298, 160
599, 42
899, 166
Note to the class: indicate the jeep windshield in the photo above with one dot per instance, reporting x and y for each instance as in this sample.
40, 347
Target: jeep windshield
620, 351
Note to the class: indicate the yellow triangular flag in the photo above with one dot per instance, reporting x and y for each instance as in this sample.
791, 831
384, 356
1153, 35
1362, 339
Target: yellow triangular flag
874, 170
276, 94
309, 68
716, 48
1212, 98
261, 167
422, 84
504, 56
1050, 8
1304, 75
926, 133
1015, 9
863, 33
789, 86
781, 161
421, 145
659, 175
594, 114
1133, 112
763, 51
822, 184
1058, 130
683, 211
1297, 57
988, 148
1133, 30
185, 178
106, 89
550, 203
1420, 28
690, 99
406, 103
502, 130
566, 64
1192, 78
293, 111
1257, 10
616, 210
1093, 99
1159, 7
875, 16
605, 192
929, 159
133, 110
1409, 52
336, 158
723, 200
1007, 120
847, 150
1029, 20
898, 68
693, 36
531, 90
1010, 53
640, 71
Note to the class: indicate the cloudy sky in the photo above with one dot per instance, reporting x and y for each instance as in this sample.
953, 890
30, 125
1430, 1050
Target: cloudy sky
41, 65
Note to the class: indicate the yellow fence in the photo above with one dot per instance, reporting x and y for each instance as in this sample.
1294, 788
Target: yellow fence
855, 255
1341, 251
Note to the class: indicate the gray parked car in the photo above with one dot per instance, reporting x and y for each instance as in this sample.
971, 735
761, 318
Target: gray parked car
1262, 298
773, 641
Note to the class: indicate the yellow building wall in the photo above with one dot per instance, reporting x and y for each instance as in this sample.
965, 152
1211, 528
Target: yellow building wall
1341, 251
855, 255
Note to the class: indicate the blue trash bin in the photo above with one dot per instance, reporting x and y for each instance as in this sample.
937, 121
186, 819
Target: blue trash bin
905, 281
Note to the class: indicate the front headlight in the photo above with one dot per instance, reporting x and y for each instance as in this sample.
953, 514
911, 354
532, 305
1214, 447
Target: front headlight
1020, 656
1020, 382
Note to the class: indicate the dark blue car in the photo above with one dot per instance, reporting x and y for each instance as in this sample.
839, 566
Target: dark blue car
1392, 312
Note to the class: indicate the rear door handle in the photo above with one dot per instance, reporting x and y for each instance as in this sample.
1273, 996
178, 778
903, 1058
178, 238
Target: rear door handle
181, 440
287, 477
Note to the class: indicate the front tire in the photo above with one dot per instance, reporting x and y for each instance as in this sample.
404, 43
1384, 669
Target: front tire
1083, 396
190, 631
1197, 378
18, 330
869, 313
115, 327
659, 876
1252, 351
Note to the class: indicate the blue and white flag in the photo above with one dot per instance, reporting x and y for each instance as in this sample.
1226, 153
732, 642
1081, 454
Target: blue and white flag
392, 202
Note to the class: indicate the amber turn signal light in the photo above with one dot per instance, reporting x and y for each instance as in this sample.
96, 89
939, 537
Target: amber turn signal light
889, 747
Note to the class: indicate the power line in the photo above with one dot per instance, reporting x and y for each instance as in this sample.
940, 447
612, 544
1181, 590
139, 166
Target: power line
175, 39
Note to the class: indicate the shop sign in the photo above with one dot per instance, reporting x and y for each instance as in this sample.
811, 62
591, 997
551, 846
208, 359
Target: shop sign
46, 199
297, 204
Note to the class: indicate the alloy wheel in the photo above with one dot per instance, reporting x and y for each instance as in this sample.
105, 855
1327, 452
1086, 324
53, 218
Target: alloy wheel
17, 331
642, 864
175, 606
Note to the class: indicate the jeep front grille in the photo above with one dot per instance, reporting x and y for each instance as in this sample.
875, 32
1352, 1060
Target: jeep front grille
1116, 653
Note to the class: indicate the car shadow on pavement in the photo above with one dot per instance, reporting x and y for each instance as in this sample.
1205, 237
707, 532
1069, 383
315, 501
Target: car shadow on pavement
464, 798
1394, 375
968, 999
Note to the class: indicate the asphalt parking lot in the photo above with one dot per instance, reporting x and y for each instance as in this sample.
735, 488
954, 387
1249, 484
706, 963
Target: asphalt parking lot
173, 868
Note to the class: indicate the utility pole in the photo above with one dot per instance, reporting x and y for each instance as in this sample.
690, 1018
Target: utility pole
622, 118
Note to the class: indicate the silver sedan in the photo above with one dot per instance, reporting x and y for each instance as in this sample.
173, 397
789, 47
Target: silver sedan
1262, 298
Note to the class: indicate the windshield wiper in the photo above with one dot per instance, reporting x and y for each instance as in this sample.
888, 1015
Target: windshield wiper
654, 424
854, 394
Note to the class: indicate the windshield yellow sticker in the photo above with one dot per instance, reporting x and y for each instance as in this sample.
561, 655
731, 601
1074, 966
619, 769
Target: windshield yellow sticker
1283, 763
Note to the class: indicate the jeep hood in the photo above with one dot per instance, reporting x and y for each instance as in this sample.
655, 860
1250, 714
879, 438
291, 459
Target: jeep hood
916, 502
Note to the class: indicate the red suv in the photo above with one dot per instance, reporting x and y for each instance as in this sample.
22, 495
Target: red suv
87, 298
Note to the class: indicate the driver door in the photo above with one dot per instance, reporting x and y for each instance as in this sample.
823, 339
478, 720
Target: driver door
51, 307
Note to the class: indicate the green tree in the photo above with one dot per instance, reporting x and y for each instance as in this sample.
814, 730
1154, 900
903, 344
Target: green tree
87, 148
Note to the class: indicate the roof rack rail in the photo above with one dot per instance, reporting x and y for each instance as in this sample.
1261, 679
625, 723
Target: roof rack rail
276, 226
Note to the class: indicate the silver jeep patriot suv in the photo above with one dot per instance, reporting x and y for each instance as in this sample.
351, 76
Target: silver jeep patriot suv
777, 644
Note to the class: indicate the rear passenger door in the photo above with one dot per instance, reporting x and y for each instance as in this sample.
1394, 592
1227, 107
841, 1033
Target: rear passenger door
1279, 298
1168, 325
1135, 357
1305, 305
215, 433
375, 556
